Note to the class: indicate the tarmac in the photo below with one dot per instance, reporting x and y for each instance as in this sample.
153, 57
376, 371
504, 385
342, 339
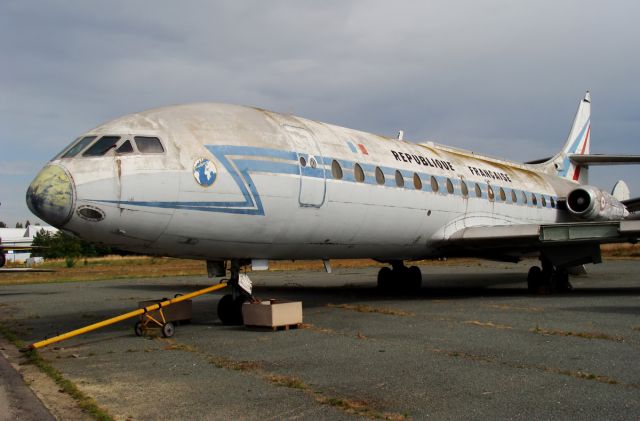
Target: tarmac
472, 344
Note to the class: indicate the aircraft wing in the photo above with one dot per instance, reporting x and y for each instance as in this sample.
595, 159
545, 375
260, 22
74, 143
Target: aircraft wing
571, 242
603, 159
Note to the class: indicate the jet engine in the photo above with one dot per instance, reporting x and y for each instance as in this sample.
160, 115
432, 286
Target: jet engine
592, 204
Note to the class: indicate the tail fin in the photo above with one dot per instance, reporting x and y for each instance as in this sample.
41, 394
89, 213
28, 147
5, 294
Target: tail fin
577, 143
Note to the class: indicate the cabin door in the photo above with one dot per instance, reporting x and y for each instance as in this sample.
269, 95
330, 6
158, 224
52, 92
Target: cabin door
311, 167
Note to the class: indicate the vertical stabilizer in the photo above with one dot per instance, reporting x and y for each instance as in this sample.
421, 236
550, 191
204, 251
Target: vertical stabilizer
577, 143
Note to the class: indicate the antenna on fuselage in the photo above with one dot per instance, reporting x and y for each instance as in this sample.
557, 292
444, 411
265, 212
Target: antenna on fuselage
400, 134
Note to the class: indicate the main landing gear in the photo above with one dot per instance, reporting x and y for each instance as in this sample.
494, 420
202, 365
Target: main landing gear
400, 277
548, 279
230, 305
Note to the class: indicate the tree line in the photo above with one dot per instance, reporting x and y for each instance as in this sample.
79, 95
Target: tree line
19, 224
58, 245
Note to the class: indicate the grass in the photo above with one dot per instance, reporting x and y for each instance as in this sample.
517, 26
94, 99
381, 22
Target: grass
584, 335
487, 324
255, 368
122, 267
620, 250
577, 374
33, 357
362, 308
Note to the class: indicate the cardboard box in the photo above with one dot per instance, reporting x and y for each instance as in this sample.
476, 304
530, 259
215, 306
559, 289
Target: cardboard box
272, 313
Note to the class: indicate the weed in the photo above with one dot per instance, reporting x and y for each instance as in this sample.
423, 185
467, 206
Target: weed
361, 308
66, 386
487, 324
584, 335
70, 261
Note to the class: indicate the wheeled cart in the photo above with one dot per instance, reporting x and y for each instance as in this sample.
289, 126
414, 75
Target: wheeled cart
163, 318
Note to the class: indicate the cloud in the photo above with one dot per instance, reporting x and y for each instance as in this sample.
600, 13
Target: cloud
499, 77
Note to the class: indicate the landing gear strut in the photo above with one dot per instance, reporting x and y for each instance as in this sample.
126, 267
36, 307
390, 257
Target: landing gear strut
230, 305
548, 279
400, 277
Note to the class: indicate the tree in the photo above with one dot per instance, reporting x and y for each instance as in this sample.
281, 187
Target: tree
19, 225
61, 245
3, 225
26, 224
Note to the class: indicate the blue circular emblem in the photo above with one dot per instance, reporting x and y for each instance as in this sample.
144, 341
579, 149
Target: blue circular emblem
204, 172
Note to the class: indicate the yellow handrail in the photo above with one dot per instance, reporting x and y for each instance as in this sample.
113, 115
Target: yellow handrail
125, 316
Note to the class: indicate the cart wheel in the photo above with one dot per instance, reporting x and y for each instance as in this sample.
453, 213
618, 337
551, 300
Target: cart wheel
168, 330
138, 329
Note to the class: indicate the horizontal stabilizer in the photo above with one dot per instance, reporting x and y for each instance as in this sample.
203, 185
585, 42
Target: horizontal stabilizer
602, 159
632, 205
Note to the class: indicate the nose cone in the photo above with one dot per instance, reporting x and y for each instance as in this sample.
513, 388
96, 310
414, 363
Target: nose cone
51, 195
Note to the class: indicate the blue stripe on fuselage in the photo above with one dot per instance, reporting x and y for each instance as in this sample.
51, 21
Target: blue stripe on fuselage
238, 163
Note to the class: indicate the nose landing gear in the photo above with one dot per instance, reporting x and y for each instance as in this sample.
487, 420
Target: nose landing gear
400, 277
230, 305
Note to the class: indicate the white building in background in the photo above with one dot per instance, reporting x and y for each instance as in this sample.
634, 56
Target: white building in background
20, 237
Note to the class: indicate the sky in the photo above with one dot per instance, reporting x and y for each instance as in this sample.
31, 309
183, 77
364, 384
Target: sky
498, 77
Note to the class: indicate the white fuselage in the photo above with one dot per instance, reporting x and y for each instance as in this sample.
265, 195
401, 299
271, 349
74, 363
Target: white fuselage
268, 201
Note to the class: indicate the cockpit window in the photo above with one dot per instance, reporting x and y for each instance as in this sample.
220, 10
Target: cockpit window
148, 144
125, 148
102, 146
80, 145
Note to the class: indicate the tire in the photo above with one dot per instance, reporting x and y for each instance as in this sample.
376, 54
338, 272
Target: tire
561, 281
385, 279
414, 281
230, 310
138, 329
3, 259
534, 279
168, 330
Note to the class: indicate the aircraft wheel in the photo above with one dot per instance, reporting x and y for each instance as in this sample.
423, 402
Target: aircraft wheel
385, 279
534, 279
3, 259
138, 329
561, 281
414, 281
168, 330
230, 310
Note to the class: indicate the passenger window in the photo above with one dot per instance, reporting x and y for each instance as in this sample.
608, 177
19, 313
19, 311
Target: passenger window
544, 202
102, 145
524, 198
490, 193
464, 188
449, 186
399, 179
503, 196
553, 202
336, 170
417, 182
534, 199
303, 162
514, 197
434, 184
75, 149
148, 144
379, 176
358, 173
478, 190
125, 148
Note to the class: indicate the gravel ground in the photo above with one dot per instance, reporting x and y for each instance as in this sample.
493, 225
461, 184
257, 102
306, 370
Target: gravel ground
472, 344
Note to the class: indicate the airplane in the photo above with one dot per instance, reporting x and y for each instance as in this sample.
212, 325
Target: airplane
237, 186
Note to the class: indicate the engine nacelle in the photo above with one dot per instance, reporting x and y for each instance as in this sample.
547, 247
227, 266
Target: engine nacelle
592, 204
